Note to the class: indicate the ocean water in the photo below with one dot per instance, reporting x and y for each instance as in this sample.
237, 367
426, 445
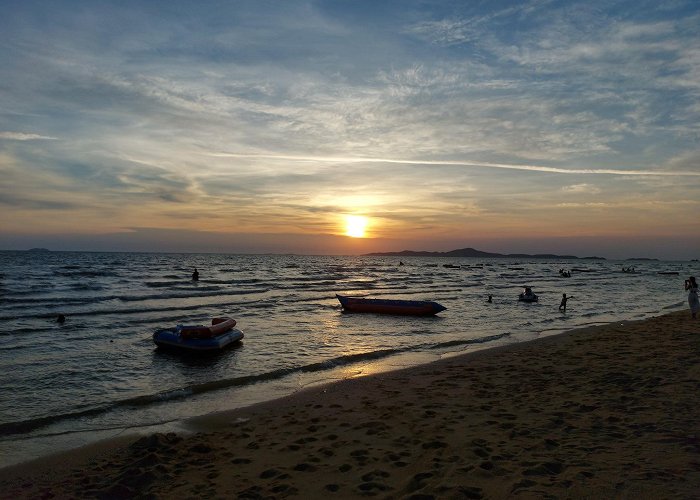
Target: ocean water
99, 375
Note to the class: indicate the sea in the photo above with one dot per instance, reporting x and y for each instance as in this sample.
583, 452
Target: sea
99, 375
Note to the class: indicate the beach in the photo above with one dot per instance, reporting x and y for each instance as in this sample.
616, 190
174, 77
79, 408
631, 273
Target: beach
603, 412
99, 374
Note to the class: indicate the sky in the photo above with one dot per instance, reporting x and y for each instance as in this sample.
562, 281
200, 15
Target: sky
568, 127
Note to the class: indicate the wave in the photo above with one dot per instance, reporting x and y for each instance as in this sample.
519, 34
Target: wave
86, 287
480, 340
86, 274
27, 426
255, 303
165, 284
25, 303
41, 301
675, 305
122, 311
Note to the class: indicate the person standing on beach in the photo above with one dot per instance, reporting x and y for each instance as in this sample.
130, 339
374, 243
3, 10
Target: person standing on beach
693, 302
562, 306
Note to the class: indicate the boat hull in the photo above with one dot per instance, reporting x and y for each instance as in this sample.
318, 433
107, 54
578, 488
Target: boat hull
524, 298
173, 339
390, 306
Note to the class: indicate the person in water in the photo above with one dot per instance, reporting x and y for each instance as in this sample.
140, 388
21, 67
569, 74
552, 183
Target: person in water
564, 298
693, 302
490, 298
61, 319
195, 275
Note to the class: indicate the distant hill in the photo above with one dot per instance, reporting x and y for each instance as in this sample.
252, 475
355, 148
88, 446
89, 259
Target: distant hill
471, 252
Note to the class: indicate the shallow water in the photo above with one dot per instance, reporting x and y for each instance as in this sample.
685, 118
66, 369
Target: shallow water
99, 373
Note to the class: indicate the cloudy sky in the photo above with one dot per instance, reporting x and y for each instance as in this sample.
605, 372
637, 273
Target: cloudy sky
260, 126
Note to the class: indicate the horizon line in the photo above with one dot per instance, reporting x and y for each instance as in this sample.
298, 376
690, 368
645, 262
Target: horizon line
439, 254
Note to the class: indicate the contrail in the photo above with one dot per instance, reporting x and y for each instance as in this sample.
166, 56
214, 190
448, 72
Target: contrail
461, 163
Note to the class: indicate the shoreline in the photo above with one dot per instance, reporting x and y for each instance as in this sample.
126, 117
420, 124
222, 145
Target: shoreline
581, 413
398, 362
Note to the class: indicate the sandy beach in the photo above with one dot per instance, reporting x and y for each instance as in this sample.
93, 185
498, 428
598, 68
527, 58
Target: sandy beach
603, 412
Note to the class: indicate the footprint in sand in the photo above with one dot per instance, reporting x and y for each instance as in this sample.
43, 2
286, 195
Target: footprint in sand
303, 467
327, 452
269, 473
525, 483
419, 481
371, 487
433, 445
375, 474
285, 489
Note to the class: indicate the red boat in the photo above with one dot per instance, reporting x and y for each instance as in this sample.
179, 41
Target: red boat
390, 306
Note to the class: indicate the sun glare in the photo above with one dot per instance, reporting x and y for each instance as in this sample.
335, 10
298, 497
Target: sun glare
355, 225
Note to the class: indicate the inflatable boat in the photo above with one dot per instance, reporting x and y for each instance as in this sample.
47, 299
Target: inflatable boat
390, 306
199, 338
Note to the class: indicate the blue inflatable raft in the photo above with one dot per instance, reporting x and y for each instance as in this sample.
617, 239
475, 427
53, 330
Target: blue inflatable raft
198, 338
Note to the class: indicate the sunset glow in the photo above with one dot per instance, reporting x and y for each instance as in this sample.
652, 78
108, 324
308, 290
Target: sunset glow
356, 225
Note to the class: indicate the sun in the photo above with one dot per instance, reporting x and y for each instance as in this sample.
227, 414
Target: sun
356, 225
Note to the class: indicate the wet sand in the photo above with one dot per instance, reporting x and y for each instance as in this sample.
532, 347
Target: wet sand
602, 412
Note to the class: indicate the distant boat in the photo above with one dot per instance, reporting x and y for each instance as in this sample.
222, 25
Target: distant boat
390, 306
199, 338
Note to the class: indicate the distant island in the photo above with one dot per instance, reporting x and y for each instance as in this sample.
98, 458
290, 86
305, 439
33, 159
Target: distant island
471, 252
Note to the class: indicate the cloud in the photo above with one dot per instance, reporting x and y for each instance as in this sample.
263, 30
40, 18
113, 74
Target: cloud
445, 31
429, 115
688, 161
21, 136
447, 105
582, 188
589, 83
